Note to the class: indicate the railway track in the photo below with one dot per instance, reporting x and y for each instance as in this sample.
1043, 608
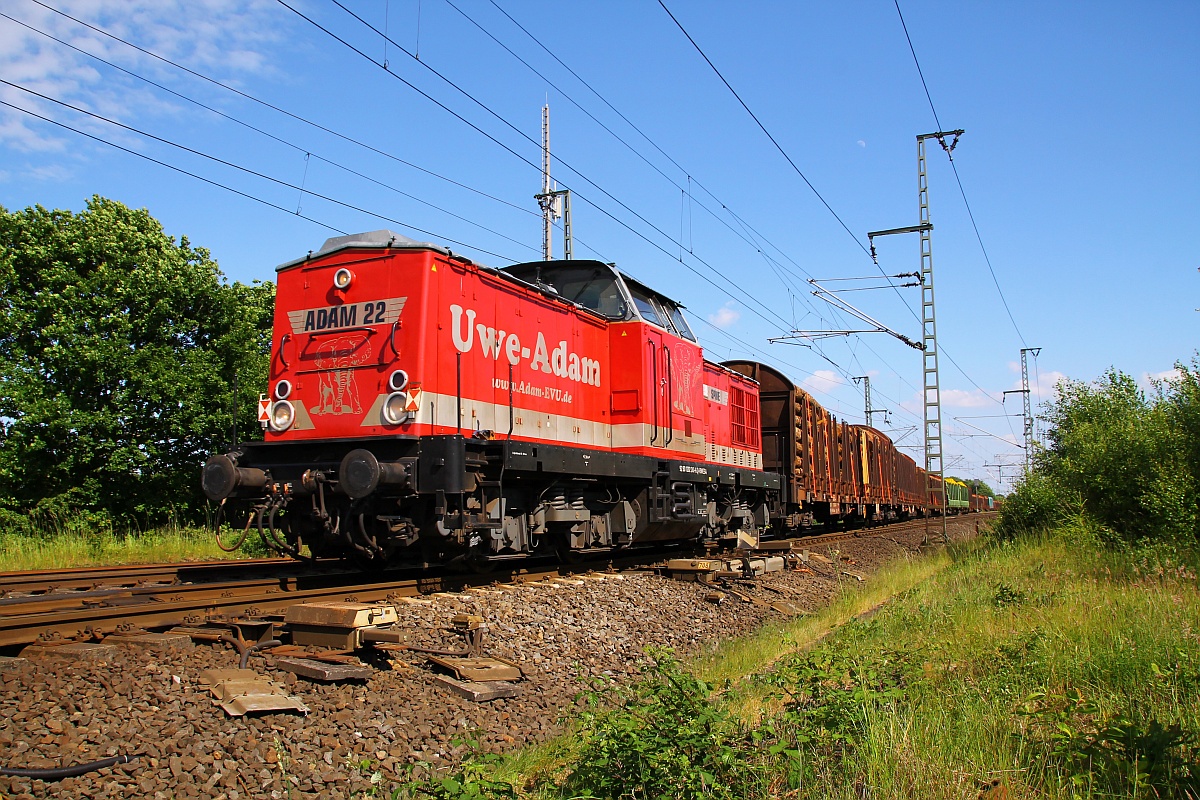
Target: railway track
88, 604
90, 615
86, 578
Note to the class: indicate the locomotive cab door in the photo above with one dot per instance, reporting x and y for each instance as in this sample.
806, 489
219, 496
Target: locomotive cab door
670, 377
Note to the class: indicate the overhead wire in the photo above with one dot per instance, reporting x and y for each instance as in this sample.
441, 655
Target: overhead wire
751, 349
790, 161
180, 170
957, 178
942, 350
306, 151
668, 237
691, 178
244, 169
744, 234
687, 193
273, 107
815, 346
560, 91
778, 147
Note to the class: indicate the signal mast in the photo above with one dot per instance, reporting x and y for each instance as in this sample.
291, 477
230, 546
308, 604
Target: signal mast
929, 350
553, 201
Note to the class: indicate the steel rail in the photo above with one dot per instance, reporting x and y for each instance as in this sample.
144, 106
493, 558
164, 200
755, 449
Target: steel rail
90, 615
225, 602
84, 578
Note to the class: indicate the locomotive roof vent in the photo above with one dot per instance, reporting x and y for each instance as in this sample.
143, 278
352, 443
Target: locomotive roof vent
380, 238
371, 239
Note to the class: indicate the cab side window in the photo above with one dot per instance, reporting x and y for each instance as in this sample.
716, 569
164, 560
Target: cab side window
646, 307
680, 324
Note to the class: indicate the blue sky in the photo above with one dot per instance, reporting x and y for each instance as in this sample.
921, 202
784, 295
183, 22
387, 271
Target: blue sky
1079, 163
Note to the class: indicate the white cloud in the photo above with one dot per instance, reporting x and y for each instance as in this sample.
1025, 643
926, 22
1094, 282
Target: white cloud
1044, 382
1149, 378
50, 173
957, 398
221, 38
914, 404
821, 381
725, 316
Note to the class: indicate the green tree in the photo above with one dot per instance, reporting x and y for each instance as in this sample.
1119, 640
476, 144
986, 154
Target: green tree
1119, 461
119, 352
1176, 497
1104, 447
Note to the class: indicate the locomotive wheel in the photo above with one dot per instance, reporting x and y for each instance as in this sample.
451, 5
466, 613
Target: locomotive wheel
478, 563
564, 551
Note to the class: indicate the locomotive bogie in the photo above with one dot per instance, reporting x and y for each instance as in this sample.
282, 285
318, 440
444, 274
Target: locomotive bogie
461, 497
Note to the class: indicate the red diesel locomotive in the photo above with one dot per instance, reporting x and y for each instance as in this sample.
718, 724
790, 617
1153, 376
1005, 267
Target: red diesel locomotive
424, 409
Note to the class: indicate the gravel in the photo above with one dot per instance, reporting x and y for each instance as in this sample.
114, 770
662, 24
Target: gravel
57, 712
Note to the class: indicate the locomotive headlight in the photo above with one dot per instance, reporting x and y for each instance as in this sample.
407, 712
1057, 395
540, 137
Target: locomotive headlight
398, 380
283, 389
394, 411
282, 416
342, 279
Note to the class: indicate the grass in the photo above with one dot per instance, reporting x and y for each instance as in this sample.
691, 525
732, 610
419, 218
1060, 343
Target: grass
1021, 655
1040, 668
74, 546
1025, 650
733, 659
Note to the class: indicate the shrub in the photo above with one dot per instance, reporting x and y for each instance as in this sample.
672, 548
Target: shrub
832, 687
663, 739
1111, 755
1119, 466
1037, 504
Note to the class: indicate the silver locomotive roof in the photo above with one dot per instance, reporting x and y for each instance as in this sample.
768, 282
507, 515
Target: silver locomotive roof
379, 240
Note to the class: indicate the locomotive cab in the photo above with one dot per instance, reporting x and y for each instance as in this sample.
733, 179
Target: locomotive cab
593, 285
